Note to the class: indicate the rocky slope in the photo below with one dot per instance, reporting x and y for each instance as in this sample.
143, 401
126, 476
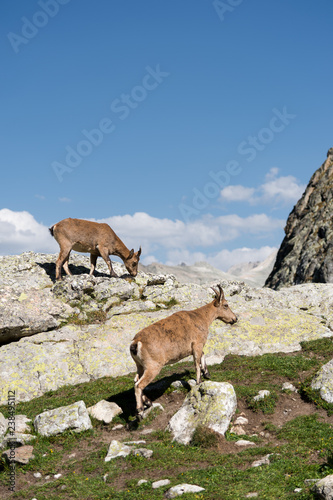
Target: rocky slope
54, 334
306, 253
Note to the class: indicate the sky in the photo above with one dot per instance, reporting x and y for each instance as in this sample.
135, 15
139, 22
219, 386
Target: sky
191, 127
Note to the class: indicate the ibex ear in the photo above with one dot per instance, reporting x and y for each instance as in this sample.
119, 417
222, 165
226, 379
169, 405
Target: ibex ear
139, 252
131, 254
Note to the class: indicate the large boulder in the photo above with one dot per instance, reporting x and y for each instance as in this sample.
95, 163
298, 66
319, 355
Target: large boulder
209, 404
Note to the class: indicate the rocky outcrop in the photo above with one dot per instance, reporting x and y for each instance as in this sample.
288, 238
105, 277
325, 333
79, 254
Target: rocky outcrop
306, 253
99, 317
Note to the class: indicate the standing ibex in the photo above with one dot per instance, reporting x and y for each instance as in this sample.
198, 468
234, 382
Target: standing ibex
96, 238
169, 340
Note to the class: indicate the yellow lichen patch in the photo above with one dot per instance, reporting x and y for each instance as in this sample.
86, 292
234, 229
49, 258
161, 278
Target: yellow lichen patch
22, 297
262, 332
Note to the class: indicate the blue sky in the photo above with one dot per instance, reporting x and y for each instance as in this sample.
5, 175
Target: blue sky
191, 127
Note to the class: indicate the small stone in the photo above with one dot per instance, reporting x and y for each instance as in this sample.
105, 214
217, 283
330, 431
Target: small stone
297, 490
56, 476
238, 430
105, 477
142, 481
37, 475
241, 421
21, 424
261, 461
287, 386
117, 449
117, 427
251, 495
244, 442
180, 489
159, 484
142, 452
261, 395
104, 411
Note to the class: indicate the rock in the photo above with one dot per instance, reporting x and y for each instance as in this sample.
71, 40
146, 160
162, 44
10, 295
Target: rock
323, 381
16, 439
21, 424
117, 449
104, 411
241, 421
324, 488
287, 386
160, 483
52, 422
142, 452
21, 455
24, 312
261, 395
3, 426
37, 475
210, 404
244, 442
305, 255
118, 427
238, 430
262, 461
180, 489
142, 481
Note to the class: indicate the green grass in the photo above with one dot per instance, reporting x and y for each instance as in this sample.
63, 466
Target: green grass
300, 449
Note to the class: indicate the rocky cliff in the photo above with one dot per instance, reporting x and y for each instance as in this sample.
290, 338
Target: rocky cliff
306, 253
80, 329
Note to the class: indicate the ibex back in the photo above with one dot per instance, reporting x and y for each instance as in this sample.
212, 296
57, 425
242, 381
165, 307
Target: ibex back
169, 340
96, 238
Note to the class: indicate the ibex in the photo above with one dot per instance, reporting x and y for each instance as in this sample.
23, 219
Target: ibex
169, 340
96, 238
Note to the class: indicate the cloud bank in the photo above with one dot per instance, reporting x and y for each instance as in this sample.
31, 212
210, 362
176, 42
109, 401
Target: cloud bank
164, 240
20, 232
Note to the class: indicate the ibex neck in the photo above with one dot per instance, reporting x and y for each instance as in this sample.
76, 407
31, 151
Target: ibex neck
207, 313
121, 250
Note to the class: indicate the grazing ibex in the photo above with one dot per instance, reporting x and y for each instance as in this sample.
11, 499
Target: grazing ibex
96, 238
169, 340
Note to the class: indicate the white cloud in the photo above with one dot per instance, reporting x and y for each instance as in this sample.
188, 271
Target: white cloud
237, 193
283, 190
65, 200
20, 232
227, 258
153, 233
